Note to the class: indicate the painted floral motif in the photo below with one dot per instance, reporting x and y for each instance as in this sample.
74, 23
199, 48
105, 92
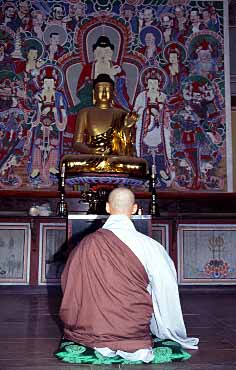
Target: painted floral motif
217, 269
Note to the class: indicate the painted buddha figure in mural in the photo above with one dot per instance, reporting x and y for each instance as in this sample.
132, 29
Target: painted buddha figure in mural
103, 63
103, 136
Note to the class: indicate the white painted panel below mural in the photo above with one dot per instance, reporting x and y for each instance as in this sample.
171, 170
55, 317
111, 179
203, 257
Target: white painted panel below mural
207, 253
14, 253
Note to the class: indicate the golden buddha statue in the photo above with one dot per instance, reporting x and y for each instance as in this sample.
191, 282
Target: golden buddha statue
103, 137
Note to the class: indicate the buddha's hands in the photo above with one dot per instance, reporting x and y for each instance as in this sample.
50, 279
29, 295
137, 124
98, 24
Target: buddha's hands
131, 119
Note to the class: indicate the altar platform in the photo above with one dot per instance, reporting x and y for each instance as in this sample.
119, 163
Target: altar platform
198, 230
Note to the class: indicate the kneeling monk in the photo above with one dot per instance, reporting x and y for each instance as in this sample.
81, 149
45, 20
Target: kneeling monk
120, 291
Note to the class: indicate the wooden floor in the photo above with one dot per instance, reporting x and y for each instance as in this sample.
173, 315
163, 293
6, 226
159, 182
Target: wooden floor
30, 330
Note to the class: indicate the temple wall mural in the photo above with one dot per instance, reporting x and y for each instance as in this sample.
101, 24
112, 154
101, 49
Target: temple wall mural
167, 59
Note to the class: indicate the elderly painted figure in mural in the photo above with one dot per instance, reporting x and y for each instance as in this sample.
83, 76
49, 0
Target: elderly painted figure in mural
147, 17
9, 17
167, 27
57, 15
151, 39
47, 128
152, 131
195, 23
128, 12
38, 23
180, 21
75, 15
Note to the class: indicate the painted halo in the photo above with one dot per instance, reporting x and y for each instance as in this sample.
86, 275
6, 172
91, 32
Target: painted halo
172, 46
153, 73
205, 38
52, 71
151, 29
55, 28
34, 43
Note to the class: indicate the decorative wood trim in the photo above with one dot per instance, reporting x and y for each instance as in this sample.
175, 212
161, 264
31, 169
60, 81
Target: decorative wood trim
139, 195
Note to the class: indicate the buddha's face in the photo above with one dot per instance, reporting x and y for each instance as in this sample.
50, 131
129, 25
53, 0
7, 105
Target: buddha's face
103, 93
102, 54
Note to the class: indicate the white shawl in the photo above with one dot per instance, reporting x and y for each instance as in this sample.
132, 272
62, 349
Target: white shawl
167, 320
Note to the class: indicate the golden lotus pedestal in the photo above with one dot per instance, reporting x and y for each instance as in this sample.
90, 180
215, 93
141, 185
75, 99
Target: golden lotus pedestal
104, 169
101, 170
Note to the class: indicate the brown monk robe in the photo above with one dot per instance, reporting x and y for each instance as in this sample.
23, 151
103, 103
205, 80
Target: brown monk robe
105, 302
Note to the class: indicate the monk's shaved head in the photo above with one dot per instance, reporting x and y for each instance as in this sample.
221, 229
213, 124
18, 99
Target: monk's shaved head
121, 201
